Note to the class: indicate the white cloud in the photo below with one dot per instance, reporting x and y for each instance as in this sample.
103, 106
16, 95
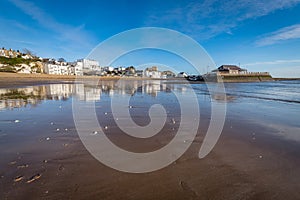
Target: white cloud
286, 33
277, 68
18, 41
15, 24
275, 62
66, 33
209, 18
288, 71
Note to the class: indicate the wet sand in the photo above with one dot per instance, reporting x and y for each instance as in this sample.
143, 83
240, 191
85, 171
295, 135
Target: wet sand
233, 170
18, 80
247, 163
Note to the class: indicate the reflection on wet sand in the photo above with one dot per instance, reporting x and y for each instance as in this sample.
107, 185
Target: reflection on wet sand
42, 156
22, 97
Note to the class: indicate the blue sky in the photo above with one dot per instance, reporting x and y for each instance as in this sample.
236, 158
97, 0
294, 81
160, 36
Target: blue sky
260, 35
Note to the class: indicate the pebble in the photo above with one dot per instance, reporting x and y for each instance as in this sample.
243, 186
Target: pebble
51, 123
13, 162
130, 106
45, 161
66, 129
95, 133
105, 113
260, 156
173, 121
105, 127
57, 129
17, 121
47, 138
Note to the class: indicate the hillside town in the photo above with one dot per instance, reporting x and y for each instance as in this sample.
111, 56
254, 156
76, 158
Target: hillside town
26, 62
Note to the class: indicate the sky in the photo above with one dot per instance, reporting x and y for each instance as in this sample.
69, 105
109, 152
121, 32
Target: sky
259, 35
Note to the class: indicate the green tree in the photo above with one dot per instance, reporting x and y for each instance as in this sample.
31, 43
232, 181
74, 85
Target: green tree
61, 60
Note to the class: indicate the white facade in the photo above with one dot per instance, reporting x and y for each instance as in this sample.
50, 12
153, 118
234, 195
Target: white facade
89, 64
152, 74
2, 52
78, 69
57, 69
26, 56
108, 69
182, 75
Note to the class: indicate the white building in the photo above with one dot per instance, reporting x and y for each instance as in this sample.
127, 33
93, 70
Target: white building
58, 69
78, 69
108, 69
182, 75
2, 53
152, 72
26, 56
89, 66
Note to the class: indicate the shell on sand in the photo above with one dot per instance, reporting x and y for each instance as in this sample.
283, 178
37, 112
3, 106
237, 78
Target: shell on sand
18, 178
33, 178
22, 166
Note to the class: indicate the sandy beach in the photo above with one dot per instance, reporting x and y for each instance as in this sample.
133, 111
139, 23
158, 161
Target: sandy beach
17, 79
150, 100
42, 156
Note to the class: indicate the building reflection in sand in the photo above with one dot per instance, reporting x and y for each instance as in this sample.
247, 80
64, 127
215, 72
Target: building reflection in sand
34, 95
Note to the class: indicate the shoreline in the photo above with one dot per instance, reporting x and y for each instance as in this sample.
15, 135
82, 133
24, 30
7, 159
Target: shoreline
286, 79
15, 79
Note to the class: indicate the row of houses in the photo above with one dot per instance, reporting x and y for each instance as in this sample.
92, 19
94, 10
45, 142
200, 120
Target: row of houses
79, 67
91, 67
10, 53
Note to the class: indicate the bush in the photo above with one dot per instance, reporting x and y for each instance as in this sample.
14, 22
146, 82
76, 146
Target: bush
8, 69
14, 61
